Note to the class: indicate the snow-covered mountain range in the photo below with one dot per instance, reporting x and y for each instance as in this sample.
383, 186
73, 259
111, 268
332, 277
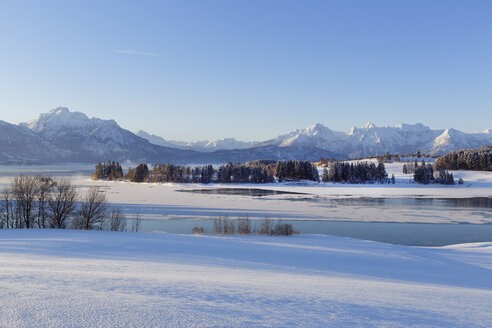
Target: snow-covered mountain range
71, 137
357, 142
19, 144
203, 145
372, 140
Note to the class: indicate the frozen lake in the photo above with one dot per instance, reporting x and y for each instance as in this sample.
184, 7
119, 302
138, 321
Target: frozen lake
403, 213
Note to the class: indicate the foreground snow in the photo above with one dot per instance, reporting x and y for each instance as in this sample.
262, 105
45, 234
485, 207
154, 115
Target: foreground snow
79, 278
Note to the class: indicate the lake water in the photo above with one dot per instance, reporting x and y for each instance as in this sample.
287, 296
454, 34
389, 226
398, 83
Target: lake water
479, 203
413, 234
341, 216
416, 234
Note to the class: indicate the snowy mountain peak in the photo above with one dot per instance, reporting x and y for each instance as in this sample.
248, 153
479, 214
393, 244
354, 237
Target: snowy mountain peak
227, 143
448, 133
62, 120
415, 128
59, 111
318, 129
369, 125
405, 126
57, 118
63, 115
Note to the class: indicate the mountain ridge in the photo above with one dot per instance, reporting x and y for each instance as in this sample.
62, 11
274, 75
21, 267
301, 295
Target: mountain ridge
72, 137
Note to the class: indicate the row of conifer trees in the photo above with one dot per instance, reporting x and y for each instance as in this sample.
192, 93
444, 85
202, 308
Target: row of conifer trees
477, 159
249, 172
360, 172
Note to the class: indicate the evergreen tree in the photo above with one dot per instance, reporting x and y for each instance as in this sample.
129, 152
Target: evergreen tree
324, 177
381, 173
140, 173
423, 174
478, 159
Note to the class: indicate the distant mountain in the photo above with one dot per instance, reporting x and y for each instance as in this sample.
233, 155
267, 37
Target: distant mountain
372, 140
156, 140
20, 145
62, 136
271, 152
316, 135
84, 139
205, 145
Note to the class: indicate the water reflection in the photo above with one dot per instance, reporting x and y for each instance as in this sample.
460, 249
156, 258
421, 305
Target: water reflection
254, 192
473, 202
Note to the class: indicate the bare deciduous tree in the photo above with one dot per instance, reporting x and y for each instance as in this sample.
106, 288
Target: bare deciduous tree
266, 227
92, 211
25, 190
136, 222
6, 208
117, 220
62, 203
224, 226
46, 185
244, 226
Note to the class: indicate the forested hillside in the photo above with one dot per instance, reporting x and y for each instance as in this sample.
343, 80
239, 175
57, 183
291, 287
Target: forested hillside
477, 159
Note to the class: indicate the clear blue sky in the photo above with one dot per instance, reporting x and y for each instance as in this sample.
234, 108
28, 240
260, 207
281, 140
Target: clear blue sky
249, 69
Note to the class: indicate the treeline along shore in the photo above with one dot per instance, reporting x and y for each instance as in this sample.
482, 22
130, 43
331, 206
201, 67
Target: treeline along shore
249, 172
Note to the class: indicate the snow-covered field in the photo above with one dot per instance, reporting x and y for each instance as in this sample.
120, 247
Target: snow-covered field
69, 278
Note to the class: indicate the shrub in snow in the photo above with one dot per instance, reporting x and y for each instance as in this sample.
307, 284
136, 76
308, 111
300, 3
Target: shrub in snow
268, 228
198, 231
243, 226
